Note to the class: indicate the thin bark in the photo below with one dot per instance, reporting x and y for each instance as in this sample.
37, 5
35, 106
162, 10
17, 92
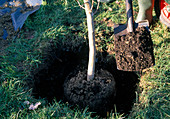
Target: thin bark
91, 37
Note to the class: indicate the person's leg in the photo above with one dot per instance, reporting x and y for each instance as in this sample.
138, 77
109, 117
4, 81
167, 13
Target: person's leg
145, 10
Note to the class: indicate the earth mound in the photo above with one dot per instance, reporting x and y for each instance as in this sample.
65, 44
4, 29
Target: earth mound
98, 94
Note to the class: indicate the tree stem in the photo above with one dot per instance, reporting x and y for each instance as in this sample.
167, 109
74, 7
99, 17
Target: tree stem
91, 37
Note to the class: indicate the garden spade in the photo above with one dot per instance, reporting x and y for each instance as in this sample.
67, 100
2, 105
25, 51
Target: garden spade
133, 44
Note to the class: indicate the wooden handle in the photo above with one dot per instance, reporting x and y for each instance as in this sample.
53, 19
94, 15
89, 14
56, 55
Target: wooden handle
129, 12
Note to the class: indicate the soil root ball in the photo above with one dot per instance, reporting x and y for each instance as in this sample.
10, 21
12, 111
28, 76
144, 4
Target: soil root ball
97, 94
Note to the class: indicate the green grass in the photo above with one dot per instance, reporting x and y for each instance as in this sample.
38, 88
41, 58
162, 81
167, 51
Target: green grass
63, 22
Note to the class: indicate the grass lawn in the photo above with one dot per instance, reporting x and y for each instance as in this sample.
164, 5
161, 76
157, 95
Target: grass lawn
63, 22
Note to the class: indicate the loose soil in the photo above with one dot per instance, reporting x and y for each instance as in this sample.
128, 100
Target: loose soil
6, 23
98, 94
6, 20
134, 51
63, 77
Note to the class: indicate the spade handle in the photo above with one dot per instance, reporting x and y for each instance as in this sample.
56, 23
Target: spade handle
129, 12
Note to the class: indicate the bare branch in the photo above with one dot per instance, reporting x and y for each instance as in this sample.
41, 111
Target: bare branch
98, 3
80, 4
92, 5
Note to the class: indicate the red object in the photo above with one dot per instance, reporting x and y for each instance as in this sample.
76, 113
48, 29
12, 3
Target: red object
165, 14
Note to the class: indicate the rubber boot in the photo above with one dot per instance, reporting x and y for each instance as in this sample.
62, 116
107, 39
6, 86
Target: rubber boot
145, 10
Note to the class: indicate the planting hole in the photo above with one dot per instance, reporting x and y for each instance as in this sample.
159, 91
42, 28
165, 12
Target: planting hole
62, 64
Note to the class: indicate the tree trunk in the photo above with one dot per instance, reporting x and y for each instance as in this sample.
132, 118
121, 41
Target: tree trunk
91, 37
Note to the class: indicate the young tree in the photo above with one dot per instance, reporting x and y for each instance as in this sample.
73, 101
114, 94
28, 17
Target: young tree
91, 37
76, 92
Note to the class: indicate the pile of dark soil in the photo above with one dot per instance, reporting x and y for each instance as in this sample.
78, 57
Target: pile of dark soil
98, 94
6, 27
134, 51
13, 9
64, 67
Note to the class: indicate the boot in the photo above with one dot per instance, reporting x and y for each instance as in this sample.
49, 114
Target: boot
145, 10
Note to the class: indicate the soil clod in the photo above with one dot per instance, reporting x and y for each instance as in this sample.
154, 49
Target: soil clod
134, 51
